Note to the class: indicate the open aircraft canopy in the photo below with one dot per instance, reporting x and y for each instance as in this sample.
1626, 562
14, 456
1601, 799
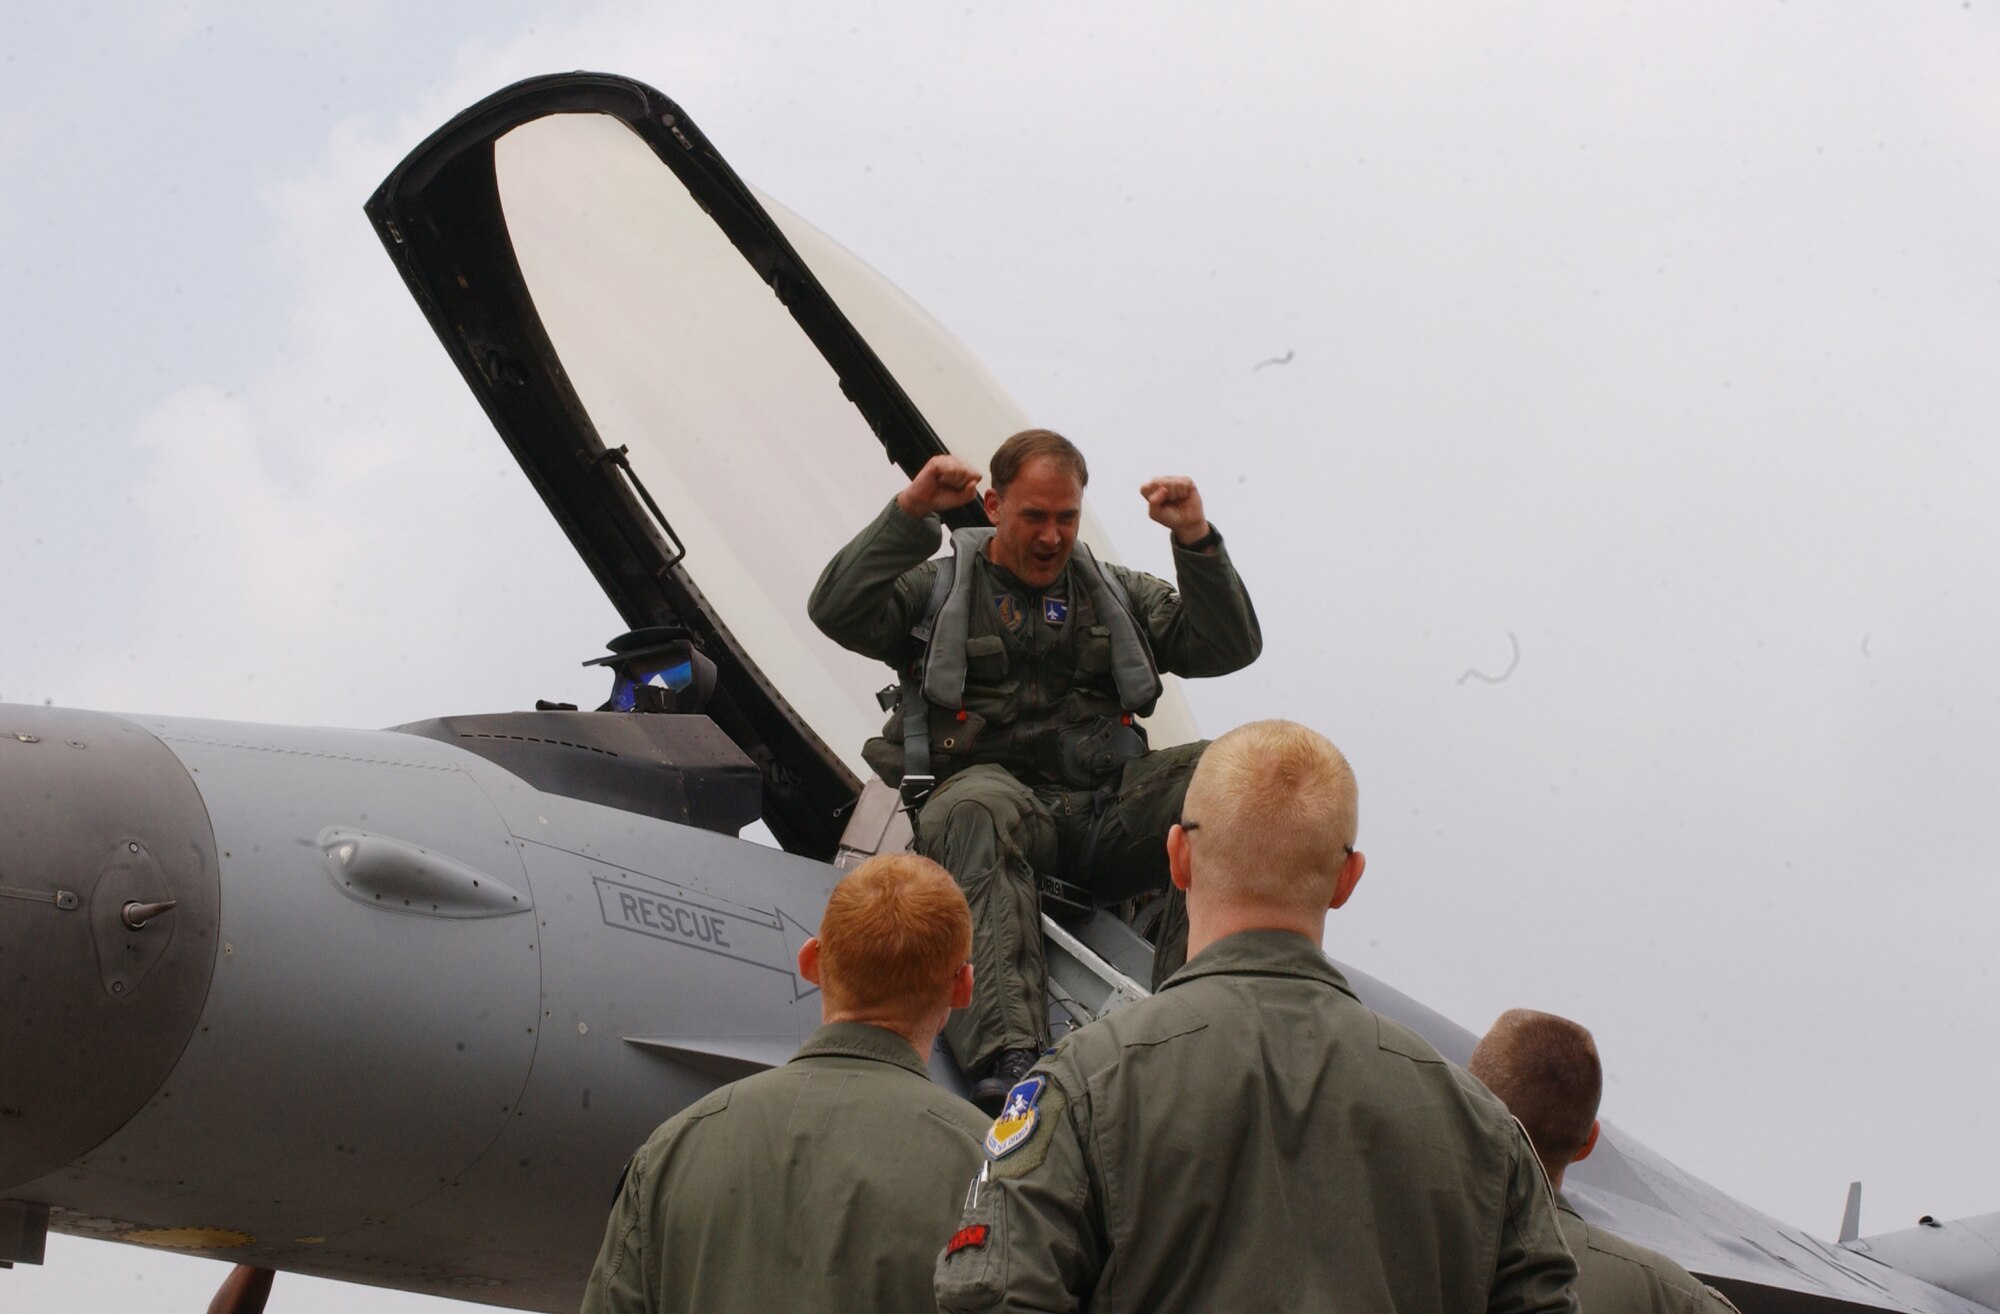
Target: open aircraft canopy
702, 386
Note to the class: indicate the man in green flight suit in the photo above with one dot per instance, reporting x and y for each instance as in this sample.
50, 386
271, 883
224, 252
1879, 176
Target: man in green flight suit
828, 1183
1546, 1070
1251, 1137
1024, 669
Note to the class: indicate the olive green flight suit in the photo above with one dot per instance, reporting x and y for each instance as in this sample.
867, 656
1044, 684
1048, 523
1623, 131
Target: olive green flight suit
1615, 1276
826, 1184
1252, 1138
1037, 664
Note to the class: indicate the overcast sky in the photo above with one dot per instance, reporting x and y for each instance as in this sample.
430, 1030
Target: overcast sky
1658, 345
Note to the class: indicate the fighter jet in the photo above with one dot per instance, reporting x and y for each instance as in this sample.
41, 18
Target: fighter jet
393, 1006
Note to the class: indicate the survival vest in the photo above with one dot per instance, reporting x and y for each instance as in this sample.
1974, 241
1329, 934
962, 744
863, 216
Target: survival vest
1079, 746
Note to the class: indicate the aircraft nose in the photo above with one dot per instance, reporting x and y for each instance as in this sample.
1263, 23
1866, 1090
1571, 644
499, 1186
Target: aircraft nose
109, 894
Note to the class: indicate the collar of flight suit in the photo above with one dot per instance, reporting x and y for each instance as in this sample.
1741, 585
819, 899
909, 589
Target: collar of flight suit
1262, 953
863, 1041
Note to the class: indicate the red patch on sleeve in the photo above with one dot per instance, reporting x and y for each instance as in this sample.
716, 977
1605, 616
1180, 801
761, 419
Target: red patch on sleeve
966, 1238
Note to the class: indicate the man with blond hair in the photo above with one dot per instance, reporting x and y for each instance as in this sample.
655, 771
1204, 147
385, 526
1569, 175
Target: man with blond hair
1025, 663
828, 1183
1545, 1068
1251, 1137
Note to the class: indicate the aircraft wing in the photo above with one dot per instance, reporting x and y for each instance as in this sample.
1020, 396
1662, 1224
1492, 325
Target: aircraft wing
711, 396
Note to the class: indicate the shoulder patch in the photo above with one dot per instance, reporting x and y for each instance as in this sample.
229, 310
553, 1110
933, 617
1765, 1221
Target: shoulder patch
1019, 1115
1028, 1146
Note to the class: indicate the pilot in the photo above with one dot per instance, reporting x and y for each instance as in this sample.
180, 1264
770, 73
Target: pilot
831, 1182
1545, 1069
1024, 663
1251, 1137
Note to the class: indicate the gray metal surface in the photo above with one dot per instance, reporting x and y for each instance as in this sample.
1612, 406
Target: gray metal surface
1962, 1256
24, 1232
388, 1094
432, 1089
95, 813
675, 768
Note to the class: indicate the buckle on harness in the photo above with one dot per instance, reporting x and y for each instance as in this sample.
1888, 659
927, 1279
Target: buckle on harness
915, 791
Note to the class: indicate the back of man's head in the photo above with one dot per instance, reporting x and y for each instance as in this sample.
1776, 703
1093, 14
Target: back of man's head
1545, 1070
1036, 445
895, 932
1276, 805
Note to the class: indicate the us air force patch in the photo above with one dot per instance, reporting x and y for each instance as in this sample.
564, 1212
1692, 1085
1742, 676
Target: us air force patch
1009, 609
1018, 1116
1055, 610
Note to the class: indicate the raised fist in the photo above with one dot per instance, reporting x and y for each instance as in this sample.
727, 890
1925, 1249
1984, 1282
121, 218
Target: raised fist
1175, 502
943, 483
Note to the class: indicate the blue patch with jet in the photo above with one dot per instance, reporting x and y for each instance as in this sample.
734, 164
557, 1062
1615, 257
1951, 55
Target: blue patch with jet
1055, 610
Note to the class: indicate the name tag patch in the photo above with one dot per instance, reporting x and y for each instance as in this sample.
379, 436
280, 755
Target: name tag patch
1018, 1117
1055, 610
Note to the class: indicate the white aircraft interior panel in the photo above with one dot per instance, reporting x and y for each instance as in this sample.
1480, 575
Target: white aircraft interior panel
735, 423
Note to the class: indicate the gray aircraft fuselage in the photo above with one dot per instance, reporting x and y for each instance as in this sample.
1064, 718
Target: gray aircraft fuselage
408, 1015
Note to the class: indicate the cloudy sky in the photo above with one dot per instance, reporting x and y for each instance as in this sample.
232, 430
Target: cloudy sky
1647, 355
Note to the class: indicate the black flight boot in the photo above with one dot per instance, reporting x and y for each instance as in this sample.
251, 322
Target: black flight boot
990, 1091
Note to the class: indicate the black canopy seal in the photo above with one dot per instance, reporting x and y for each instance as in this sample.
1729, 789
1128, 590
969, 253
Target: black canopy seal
438, 214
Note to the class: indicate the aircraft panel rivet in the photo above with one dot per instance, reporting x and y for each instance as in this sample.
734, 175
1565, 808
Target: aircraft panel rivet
74, 743
132, 846
27, 738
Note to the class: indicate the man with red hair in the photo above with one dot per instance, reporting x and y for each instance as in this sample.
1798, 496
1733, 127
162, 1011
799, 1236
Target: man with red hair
829, 1183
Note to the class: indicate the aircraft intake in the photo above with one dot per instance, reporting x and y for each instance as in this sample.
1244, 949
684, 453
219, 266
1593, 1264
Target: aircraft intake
109, 892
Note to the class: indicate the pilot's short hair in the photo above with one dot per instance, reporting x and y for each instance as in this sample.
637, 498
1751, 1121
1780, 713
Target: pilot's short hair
1036, 445
895, 931
1545, 1069
1273, 806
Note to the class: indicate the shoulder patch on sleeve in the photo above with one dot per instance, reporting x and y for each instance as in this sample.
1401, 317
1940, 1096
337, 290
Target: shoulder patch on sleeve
1019, 1139
1019, 1116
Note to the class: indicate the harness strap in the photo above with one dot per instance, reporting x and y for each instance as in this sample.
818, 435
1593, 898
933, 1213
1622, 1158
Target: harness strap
918, 778
1133, 669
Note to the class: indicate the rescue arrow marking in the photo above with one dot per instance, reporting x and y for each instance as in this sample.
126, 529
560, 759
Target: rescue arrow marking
743, 934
